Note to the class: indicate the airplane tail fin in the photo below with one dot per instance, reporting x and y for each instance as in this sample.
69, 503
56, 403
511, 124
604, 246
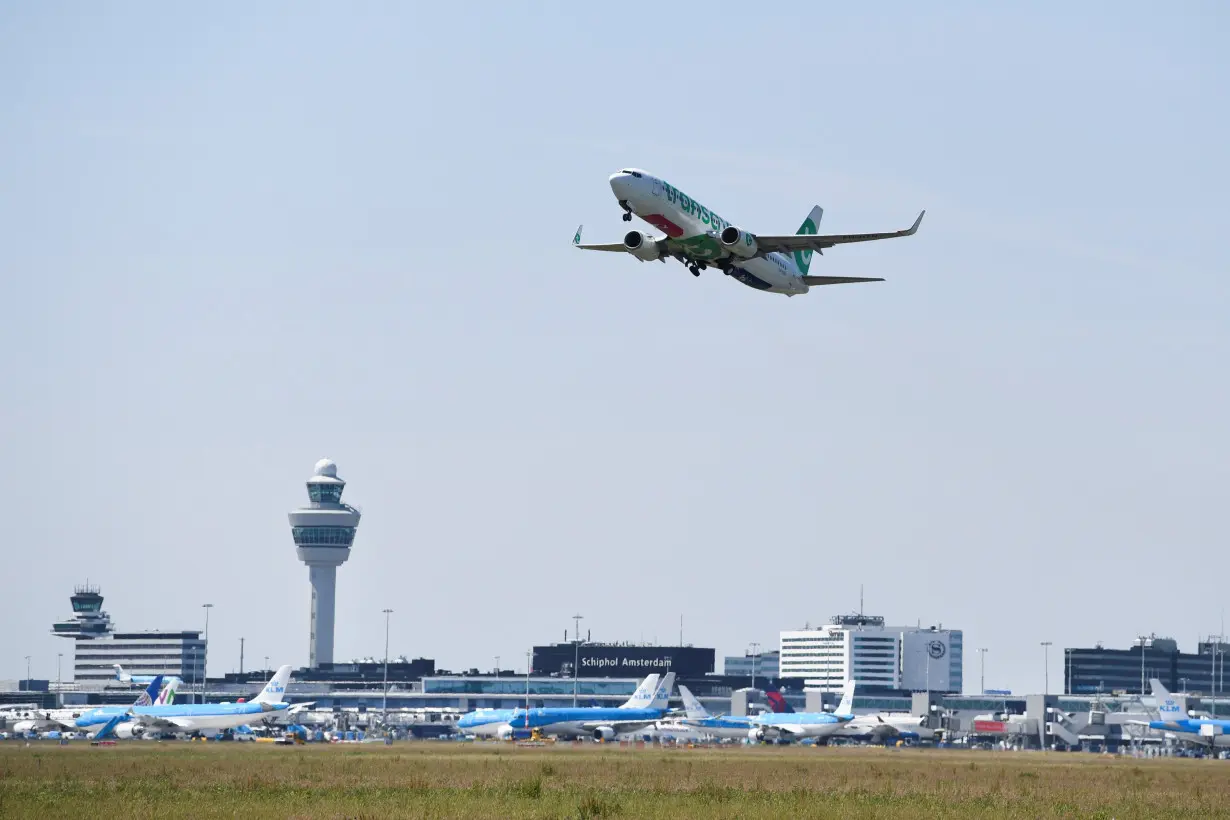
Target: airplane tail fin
1169, 706
276, 688
121, 675
802, 259
777, 702
691, 706
643, 696
662, 696
150, 694
167, 696
846, 707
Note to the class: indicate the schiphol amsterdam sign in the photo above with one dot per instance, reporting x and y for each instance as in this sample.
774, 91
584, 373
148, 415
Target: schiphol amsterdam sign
626, 663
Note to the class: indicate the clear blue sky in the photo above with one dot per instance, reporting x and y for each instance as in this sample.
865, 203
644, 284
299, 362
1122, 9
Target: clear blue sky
238, 237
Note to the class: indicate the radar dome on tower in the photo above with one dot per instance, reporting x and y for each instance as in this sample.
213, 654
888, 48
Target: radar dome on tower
326, 467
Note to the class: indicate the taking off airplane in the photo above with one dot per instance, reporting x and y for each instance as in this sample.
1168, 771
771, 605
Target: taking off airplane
698, 237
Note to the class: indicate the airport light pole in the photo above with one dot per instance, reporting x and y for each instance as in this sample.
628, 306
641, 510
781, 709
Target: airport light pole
266, 663
576, 655
385, 719
1142, 638
205, 652
241, 656
59, 680
497, 666
529, 663
1046, 667
754, 649
27, 672
982, 670
1068, 664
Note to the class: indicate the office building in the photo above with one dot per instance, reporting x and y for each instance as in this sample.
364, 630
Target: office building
762, 665
862, 648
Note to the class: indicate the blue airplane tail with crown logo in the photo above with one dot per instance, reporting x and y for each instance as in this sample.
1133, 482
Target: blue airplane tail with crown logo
643, 696
275, 689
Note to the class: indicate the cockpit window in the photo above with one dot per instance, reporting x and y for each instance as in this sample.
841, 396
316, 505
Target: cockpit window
636, 174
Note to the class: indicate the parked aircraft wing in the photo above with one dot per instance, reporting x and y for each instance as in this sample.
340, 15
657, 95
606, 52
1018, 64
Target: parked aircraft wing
816, 242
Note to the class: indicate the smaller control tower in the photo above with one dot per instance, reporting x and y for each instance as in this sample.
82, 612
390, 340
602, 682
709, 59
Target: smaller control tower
323, 532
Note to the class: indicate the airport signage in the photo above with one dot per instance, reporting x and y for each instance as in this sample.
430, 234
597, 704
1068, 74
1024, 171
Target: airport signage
622, 660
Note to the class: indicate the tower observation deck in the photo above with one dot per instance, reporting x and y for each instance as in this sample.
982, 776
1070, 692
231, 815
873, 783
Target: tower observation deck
323, 532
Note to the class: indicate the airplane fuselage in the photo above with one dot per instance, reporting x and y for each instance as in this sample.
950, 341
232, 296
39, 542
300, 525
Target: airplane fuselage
192, 717
696, 228
559, 722
799, 725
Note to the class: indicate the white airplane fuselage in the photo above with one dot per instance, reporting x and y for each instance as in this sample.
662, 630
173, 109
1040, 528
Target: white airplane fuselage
887, 726
684, 219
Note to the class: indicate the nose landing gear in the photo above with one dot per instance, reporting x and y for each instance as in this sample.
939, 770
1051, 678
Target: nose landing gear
627, 217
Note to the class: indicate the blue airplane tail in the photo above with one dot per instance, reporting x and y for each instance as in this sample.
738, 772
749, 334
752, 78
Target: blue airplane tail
150, 694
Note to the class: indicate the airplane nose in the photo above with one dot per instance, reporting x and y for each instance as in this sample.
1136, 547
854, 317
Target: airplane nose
620, 184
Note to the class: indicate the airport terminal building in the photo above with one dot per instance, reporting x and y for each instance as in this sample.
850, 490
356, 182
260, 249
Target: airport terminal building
1100, 670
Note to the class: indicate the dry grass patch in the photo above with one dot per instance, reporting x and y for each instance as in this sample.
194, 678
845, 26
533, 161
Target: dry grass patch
144, 779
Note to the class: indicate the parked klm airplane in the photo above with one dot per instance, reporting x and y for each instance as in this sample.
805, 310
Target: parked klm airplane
698, 237
723, 727
647, 705
1210, 732
800, 725
188, 718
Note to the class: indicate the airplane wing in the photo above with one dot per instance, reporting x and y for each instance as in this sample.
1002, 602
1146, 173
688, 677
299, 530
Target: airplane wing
814, 242
813, 281
619, 725
168, 724
664, 245
615, 247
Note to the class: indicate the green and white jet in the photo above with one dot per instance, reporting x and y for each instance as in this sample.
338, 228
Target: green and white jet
699, 238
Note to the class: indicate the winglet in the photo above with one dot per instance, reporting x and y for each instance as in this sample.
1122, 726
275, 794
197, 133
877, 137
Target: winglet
914, 228
576, 240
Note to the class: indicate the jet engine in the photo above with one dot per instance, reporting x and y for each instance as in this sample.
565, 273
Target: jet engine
604, 733
23, 726
127, 731
644, 248
756, 735
505, 732
738, 242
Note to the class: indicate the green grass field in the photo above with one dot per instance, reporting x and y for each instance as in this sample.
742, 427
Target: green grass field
425, 779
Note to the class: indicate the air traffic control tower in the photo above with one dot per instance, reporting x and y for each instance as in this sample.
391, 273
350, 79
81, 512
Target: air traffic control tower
323, 532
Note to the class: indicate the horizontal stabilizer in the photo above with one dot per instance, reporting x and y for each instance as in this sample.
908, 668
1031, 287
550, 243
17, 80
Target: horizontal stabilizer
813, 281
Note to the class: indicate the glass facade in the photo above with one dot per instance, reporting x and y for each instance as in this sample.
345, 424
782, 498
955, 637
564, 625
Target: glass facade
325, 493
323, 536
538, 686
